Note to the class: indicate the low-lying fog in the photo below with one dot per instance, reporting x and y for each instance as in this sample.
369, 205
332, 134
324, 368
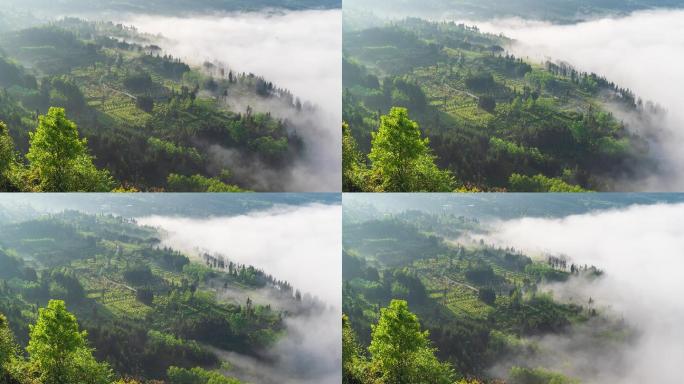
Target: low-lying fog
640, 251
297, 50
301, 245
643, 51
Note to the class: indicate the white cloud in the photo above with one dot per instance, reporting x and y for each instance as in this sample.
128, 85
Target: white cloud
302, 245
640, 249
642, 51
297, 50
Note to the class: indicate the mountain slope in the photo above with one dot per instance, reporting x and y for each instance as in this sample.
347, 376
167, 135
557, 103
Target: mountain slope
497, 121
147, 115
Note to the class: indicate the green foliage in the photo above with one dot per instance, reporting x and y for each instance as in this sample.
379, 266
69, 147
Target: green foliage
145, 114
488, 114
540, 183
354, 171
58, 350
352, 363
139, 274
8, 348
59, 160
400, 351
487, 103
7, 159
138, 82
172, 150
197, 376
198, 183
401, 160
145, 103
13, 75
145, 307
521, 375
479, 302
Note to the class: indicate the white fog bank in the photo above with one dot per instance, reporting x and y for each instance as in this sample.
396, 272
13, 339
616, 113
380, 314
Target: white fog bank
640, 251
643, 51
302, 245
297, 50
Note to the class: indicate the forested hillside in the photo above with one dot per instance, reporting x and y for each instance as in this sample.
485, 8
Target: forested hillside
427, 301
150, 314
150, 120
494, 121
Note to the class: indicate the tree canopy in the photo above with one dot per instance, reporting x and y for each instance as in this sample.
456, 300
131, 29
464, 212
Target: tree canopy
399, 352
58, 350
400, 159
402, 352
59, 159
8, 348
6, 158
352, 165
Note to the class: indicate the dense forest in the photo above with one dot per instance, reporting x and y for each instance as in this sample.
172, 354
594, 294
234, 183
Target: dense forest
132, 117
477, 117
427, 300
96, 299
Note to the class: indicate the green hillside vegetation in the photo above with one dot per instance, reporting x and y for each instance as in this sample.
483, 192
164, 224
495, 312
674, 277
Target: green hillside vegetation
477, 304
494, 122
150, 313
151, 121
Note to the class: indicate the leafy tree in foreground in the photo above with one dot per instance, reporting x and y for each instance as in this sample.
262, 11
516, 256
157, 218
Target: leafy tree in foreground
402, 160
59, 158
401, 352
58, 351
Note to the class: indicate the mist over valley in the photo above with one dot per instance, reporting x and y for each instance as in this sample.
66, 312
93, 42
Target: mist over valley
587, 296
228, 298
